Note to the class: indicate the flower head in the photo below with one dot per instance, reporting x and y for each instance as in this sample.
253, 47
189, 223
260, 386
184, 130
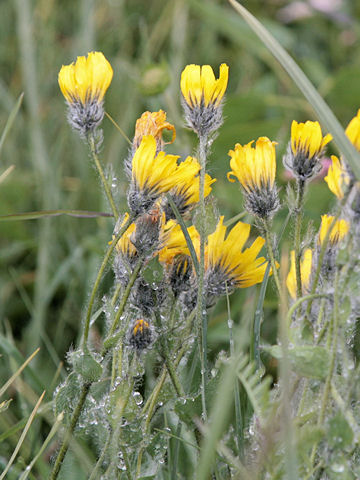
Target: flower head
151, 174
140, 335
353, 131
255, 169
338, 231
202, 95
226, 264
175, 243
306, 146
305, 273
83, 85
337, 177
185, 192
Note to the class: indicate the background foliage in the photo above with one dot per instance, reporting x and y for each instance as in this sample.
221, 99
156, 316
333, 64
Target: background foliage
48, 265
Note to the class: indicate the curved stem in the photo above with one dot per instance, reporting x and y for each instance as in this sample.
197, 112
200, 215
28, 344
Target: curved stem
98, 279
74, 419
201, 307
298, 220
110, 198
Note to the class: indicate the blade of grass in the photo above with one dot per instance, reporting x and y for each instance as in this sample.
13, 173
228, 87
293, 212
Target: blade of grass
52, 213
10, 120
22, 436
18, 371
324, 113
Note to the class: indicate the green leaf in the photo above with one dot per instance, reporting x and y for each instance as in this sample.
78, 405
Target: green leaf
86, 366
53, 213
340, 434
306, 361
324, 113
10, 120
65, 395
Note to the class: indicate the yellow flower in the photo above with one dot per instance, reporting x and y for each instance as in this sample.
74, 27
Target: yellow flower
337, 177
338, 232
152, 123
175, 243
200, 87
307, 139
140, 334
185, 190
125, 245
255, 168
87, 79
353, 131
225, 260
305, 273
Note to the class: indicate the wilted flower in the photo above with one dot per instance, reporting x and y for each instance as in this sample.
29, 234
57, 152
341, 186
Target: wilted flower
227, 265
202, 96
185, 193
338, 231
305, 273
255, 169
140, 335
306, 146
337, 177
83, 85
153, 123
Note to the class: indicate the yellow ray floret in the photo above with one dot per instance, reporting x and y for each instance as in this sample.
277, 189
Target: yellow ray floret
307, 139
337, 177
255, 168
151, 171
305, 273
175, 243
199, 85
87, 79
186, 181
353, 131
241, 267
338, 232
152, 123
124, 245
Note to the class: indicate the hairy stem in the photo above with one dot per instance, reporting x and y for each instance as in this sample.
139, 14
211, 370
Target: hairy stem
298, 220
74, 419
105, 183
201, 316
270, 249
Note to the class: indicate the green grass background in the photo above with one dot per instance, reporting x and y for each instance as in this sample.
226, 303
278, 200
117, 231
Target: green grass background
47, 266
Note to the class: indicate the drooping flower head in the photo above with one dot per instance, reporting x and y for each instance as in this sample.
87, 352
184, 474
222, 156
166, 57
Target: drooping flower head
255, 168
83, 85
305, 273
337, 177
202, 96
353, 131
227, 264
338, 231
185, 192
151, 174
305, 148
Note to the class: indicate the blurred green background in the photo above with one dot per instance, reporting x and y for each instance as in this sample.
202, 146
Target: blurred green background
47, 266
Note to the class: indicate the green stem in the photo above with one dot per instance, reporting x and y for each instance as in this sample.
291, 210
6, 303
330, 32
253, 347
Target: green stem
125, 296
201, 316
94, 474
98, 279
110, 198
298, 220
333, 334
270, 250
74, 419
